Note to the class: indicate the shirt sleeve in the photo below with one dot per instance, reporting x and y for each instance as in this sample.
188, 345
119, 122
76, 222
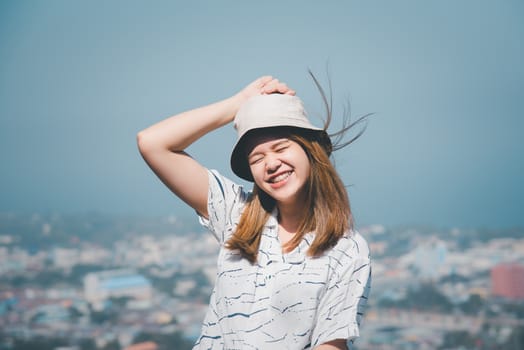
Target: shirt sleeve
225, 202
342, 306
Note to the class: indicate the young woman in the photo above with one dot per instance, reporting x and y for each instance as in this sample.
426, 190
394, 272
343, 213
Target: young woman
292, 273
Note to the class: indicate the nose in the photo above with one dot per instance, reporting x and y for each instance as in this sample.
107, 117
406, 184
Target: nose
272, 164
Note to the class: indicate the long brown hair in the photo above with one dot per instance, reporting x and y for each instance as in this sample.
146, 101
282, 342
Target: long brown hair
328, 210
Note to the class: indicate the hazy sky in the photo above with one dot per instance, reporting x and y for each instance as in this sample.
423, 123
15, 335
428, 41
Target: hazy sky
445, 79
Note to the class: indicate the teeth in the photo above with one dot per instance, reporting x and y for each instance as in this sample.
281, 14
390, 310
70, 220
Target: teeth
281, 177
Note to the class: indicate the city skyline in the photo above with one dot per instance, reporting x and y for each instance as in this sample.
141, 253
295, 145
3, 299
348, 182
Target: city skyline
431, 288
444, 81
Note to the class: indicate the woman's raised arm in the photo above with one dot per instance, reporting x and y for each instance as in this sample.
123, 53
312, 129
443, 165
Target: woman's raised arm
162, 145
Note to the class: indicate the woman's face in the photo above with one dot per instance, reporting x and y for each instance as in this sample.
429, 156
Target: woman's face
280, 167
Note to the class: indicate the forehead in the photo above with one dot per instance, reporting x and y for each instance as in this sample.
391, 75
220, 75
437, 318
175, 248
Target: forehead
261, 142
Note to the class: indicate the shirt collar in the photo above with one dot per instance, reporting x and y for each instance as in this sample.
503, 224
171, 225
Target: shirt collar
274, 248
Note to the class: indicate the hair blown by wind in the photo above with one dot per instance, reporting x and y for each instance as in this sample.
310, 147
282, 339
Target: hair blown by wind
337, 138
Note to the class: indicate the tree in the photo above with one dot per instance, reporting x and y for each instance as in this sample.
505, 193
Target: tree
457, 339
171, 341
516, 340
473, 305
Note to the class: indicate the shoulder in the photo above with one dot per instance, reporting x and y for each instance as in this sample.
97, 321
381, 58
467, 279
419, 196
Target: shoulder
352, 246
222, 187
225, 203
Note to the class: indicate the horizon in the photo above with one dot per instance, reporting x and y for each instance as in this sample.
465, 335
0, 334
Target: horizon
192, 221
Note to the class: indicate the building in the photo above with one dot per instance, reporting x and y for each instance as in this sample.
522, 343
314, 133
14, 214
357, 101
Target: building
100, 286
507, 281
430, 258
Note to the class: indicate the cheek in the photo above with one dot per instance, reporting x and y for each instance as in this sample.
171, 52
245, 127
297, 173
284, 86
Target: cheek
303, 161
256, 173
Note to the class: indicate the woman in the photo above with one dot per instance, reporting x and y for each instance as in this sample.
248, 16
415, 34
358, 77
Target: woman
292, 274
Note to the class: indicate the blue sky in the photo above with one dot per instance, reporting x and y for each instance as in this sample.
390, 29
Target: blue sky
445, 80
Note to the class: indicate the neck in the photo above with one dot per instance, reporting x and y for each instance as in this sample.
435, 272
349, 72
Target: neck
290, 217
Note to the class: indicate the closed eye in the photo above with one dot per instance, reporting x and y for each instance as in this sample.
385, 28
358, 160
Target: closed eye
281, 146
255, 160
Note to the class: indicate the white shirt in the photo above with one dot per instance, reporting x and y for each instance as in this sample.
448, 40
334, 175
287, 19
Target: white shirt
285, 300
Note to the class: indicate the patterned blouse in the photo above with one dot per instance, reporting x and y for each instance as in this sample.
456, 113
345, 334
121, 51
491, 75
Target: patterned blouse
285, 300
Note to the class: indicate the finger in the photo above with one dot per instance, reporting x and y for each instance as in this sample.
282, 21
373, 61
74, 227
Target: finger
268, 80
282, 87
264, 79
271, 86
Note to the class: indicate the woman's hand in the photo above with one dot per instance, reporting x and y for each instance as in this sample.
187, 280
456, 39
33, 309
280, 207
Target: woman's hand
264, 86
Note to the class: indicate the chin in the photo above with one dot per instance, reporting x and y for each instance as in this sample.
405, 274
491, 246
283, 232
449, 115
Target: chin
285, 197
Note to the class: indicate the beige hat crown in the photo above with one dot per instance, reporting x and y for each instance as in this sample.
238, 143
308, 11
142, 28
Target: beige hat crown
268, 111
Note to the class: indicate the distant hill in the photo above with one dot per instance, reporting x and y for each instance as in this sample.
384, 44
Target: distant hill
40, 230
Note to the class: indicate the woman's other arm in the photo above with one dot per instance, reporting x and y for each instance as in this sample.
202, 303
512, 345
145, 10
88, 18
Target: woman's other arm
338, 344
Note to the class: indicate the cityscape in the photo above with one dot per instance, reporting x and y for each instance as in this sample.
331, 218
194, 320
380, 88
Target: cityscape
95, 281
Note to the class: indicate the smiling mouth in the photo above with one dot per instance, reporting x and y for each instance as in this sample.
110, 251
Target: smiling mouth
280, 177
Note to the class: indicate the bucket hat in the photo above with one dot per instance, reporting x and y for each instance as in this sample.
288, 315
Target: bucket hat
274, 113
